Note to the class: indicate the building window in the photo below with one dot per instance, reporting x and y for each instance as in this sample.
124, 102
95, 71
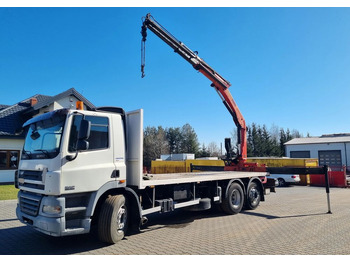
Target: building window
299, 154
9, 159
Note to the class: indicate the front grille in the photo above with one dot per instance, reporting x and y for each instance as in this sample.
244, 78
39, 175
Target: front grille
31, 175
31, 179
30, 203
34, 186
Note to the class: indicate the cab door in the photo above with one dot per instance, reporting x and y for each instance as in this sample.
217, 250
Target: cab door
89, 169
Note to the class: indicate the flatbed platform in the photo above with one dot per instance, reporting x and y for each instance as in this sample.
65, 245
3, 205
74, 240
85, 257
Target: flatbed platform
194, 177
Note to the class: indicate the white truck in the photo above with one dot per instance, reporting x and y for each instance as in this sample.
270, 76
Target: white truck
81, 169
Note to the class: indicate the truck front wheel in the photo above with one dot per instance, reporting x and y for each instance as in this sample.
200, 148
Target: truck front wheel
233, 202
113, 219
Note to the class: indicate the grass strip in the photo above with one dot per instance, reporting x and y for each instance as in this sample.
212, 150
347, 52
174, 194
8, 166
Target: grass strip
8, 192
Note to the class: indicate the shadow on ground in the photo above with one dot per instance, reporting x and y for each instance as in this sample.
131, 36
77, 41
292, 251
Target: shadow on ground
24, 240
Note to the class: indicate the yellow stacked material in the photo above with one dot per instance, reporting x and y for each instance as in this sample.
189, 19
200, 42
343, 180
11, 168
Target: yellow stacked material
164, 167
287, 162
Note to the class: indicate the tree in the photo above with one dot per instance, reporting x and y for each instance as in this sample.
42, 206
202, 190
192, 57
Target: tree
250, 144
256, 140
274, 132
189, 142
266, 143
283, 139
296, 134
234, 140
286, 136
213, 149
174, 137
203, 151
274, 136
174, 140
263, 142
154, 144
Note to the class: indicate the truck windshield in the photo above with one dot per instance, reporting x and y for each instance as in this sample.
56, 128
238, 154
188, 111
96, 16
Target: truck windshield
43, 137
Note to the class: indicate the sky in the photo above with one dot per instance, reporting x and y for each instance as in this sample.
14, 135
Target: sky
288, 67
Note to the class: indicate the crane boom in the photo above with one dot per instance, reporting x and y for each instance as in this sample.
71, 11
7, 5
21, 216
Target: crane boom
220, 84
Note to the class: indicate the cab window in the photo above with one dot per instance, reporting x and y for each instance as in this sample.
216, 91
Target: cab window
98, 135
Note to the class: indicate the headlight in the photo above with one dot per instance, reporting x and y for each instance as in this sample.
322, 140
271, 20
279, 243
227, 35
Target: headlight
52, 209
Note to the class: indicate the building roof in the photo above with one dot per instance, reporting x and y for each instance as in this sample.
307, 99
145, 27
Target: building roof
324, 139
69, 92
13, 117
3, 107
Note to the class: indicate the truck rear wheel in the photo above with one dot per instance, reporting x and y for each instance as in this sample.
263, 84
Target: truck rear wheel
113, 219
233, 202
253, 196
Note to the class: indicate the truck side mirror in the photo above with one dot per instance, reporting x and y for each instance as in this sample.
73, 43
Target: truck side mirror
84, 130
84, 134
82, 145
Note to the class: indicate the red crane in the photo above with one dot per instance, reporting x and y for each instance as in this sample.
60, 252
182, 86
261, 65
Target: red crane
220, 84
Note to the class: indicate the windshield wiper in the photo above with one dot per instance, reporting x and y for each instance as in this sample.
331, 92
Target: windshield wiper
44, 151
28, 153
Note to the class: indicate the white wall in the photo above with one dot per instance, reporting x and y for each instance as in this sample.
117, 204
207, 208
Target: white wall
7, 176
67, 102
314, 148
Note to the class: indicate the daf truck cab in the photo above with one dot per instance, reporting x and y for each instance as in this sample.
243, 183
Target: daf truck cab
69, 157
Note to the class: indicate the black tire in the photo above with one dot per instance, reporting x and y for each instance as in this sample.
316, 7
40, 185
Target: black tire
253, 196
113, 219
281, 182
233, 202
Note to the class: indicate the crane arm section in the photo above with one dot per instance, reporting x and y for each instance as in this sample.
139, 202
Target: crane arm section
218, 82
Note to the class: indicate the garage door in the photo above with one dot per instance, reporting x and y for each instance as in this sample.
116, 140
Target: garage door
330, 158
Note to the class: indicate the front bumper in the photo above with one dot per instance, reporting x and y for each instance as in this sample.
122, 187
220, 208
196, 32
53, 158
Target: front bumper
53, 226
50, 224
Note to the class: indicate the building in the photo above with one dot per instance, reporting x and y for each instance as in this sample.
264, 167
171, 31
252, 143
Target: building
332, 150
13, 117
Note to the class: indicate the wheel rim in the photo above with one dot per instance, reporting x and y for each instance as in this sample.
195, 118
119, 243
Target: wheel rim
281, 182
254, 195
236, 199
121, 218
